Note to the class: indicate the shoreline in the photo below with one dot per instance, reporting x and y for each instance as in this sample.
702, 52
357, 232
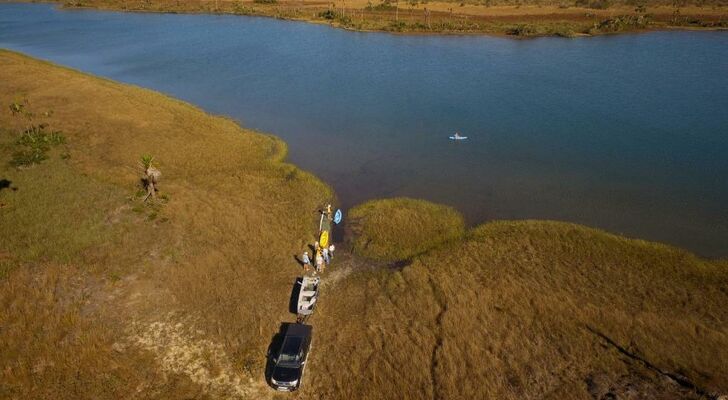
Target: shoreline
504, 22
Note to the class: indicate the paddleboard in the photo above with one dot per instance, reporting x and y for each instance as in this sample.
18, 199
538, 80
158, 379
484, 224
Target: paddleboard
337, 217
458, 137
324, 239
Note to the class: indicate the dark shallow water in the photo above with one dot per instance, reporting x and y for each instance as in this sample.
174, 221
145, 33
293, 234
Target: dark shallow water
628, 133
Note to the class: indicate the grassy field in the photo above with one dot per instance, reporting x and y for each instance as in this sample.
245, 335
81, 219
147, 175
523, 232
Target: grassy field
399, 229
105, 296
514, 18
92, 274
529, 310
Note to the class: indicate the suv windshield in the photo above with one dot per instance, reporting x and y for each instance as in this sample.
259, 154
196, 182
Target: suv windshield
291, 352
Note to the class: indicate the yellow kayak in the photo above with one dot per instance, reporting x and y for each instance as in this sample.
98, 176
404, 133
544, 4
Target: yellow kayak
324, 239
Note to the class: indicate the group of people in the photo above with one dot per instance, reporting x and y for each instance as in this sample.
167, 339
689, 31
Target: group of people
323, 250
323, 257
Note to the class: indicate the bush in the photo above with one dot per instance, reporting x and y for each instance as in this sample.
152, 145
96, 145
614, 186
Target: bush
397, 26
620, 23
345, 20
383, 6
328, 14
26, 158
36, 142
36, 137
523, 30
594, 4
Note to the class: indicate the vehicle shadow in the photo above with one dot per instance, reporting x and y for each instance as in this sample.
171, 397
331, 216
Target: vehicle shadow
293, 302
5, 184
275, 344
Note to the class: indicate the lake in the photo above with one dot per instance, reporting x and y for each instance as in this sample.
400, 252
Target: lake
628, 133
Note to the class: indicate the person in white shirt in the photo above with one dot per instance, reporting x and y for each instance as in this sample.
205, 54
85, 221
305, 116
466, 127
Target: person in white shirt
306, 261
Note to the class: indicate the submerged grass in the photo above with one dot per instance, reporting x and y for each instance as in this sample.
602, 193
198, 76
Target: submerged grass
102, 302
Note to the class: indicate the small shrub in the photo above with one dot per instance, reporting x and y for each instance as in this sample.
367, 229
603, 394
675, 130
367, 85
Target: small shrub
345, 20
146, 160
565, 33
328, 14
36, 142
594, 4
419, 26
26, 158
620, 23
265, 1
383, 6
17, 108
522, 30
397, 26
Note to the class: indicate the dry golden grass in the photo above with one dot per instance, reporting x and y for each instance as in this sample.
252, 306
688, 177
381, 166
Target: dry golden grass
400, 228
515, 311
103, 297
220, 251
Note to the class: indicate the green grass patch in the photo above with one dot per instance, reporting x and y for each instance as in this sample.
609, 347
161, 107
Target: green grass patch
35, 143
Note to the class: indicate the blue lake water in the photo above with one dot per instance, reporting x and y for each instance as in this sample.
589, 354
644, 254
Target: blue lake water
627, 133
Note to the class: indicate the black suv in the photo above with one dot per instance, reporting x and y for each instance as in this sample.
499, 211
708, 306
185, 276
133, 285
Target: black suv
289, 360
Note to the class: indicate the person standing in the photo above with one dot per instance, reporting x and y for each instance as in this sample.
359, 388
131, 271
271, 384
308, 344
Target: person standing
327, 259
331, 251
319, 262
306, 261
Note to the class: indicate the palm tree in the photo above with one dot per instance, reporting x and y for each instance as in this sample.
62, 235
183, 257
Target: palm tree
151, 175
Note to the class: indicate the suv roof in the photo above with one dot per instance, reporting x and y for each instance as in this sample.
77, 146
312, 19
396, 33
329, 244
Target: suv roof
299, 330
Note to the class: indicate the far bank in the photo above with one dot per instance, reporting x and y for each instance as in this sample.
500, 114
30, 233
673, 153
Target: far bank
501, 18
